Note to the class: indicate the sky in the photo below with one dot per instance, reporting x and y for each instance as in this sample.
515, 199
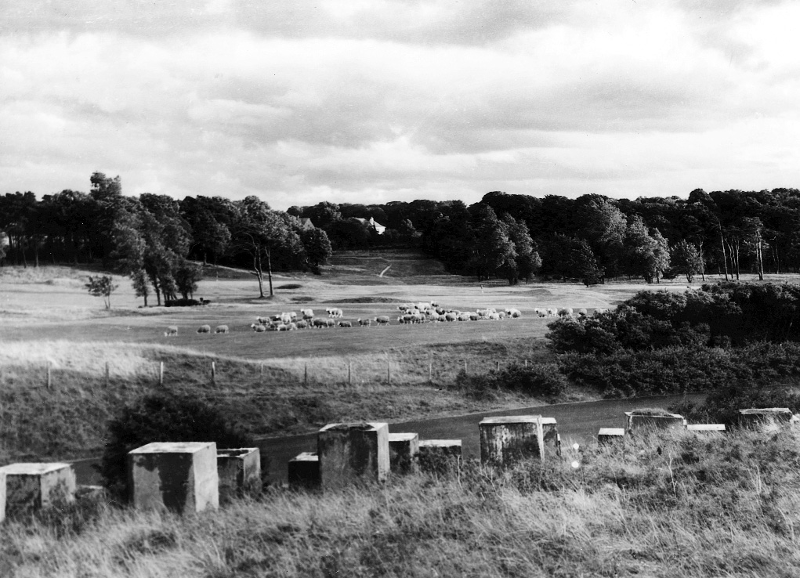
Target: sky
370, 101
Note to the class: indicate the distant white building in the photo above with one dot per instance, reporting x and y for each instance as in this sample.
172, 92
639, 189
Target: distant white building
371, 223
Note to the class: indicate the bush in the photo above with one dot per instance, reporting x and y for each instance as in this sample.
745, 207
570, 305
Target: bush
160, 418
682, 369
538, 379
181, 302
723, 405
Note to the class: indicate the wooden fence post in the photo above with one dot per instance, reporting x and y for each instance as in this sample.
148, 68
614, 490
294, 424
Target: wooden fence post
161, 374
213, 372
305, 375
349, 373
388, 372
430, 372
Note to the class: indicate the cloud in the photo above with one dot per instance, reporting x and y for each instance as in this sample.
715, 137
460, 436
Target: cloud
396, 99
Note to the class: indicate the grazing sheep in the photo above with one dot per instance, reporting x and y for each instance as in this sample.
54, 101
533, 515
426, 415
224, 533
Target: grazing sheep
540, 312
284, 327
258, 327
502, 314
450, 316
464, 317
345, 324
600, 311
221, 329
565, 312
287, 317
302, 324
330, 323
382, 320
204, 329
474, 316
171, 331
551, 312
493, 316
582, 312
334, 312
319, 323
307, 314
365, 322
263, 320
513, 313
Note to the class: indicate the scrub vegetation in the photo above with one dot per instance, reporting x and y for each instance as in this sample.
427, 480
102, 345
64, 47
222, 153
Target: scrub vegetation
675, 504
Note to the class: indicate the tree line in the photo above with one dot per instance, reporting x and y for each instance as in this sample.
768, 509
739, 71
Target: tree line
591, 238
155, 239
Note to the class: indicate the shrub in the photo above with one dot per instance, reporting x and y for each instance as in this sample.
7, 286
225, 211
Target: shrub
538, 379
723, 405
160, 418
181, 302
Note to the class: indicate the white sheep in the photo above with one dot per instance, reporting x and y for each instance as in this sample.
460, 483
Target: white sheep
582, 312
319, 323
551, 312
302, 324
307, 314
172, 331
474, 316
513, 313
221, 329
382, 320
450, 316
345, 324
204, 329
365, 322
330, 323
258, 327
334, 312
262, 320
565, 312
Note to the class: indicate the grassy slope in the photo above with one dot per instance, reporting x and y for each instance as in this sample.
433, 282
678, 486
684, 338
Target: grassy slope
48, 318
701, 506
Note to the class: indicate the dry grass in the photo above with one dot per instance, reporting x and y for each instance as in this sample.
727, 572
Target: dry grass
701, 506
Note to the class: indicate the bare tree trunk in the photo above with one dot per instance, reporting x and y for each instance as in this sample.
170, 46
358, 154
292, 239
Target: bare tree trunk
259, 274
724, 256
269, 272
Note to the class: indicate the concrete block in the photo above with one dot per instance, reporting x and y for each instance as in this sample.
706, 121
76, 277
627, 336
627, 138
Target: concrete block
239, 472
508, 440
552, 440
608, 435
351, 452
181, 477
771, 417
635, 421
33, 486
403, 452
706, 427
439, 455
304, 471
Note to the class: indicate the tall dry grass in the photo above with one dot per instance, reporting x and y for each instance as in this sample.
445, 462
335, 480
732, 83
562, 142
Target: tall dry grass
267, 397
676, 505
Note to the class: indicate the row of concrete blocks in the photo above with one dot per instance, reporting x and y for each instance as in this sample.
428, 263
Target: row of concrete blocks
747, 418
350, 453
176, 476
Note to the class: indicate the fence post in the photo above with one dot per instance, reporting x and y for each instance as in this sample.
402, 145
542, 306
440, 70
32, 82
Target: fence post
49, 376
388, 373
465, 366
349, 373
161, 374
430, 372
305, 375
107, 375
213, 372
497, 367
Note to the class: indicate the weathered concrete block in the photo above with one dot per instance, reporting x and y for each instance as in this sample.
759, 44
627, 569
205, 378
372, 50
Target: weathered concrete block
304, 471
508, 440
403, 452
350, 452
552, 440
32, 486
439, 455
177, 476
765, 417
608, 435
637, 421
706, 427
239, 472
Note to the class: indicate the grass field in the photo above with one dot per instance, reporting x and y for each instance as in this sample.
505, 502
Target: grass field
100, 360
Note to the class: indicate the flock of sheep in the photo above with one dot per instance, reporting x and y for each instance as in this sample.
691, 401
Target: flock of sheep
422, 312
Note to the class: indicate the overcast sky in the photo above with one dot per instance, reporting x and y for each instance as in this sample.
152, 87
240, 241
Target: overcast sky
378, 100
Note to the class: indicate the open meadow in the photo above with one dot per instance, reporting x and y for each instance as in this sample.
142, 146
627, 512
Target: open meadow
67, 365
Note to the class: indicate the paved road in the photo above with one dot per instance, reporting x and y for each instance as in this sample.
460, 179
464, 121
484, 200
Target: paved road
577, 422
